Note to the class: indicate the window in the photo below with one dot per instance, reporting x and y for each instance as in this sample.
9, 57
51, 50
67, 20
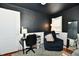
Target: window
56, 24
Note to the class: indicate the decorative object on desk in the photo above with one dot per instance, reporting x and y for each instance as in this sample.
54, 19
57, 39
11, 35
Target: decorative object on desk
24, 30
38, 41
72, 33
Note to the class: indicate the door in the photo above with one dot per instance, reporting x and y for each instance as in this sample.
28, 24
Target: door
9, 30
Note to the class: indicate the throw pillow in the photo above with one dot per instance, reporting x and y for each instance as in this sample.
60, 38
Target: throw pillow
49, 37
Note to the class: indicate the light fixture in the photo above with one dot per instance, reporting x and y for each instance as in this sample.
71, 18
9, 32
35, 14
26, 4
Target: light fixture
69, 22
46, 25
24, 30
51, 25
43, 3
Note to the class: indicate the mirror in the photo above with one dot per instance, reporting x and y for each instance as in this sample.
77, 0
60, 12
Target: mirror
72, 34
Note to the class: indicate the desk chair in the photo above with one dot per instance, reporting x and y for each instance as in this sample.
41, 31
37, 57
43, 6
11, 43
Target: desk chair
30, 41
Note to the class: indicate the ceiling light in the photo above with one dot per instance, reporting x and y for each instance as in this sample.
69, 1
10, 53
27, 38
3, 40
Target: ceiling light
69, 22
43, 3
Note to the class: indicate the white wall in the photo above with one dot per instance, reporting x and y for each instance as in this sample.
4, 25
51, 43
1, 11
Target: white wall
78, 41
63, 36
9, 30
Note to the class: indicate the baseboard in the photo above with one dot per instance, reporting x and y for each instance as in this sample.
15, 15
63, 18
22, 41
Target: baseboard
10, 53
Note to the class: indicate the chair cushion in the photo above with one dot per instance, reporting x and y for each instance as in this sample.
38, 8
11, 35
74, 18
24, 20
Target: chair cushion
49, 38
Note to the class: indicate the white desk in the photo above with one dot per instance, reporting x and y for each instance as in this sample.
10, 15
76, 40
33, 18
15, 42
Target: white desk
40, 40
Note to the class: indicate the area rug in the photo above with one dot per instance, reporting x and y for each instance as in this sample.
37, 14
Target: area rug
39, 52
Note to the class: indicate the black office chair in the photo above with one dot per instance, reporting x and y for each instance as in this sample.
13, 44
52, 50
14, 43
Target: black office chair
30, 41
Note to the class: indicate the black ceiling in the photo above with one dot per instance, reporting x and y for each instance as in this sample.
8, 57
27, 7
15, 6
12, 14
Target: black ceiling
49, 8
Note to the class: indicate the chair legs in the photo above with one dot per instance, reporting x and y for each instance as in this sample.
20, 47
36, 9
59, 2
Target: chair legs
28, 49
33, 51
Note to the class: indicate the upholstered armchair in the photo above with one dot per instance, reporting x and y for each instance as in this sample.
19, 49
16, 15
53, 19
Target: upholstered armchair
56, 45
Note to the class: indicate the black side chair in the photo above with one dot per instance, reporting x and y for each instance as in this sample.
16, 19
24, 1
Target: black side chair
30, 41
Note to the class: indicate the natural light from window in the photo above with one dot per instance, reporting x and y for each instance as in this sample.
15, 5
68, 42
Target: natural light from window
56, 24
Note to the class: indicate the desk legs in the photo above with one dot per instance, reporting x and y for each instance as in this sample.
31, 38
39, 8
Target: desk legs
22, 44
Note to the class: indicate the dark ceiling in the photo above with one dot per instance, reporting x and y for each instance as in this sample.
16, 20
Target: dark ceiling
49, 8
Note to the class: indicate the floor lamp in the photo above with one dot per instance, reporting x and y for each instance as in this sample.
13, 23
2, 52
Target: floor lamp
24, 32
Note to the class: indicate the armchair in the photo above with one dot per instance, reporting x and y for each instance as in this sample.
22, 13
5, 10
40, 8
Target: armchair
56, 45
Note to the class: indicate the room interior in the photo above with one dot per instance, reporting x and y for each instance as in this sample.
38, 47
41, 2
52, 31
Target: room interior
54, 24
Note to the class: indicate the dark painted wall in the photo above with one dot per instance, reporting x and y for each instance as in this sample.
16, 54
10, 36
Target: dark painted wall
71, 14
72, 30
33, 21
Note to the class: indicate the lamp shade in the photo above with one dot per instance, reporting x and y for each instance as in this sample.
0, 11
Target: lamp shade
24, 30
